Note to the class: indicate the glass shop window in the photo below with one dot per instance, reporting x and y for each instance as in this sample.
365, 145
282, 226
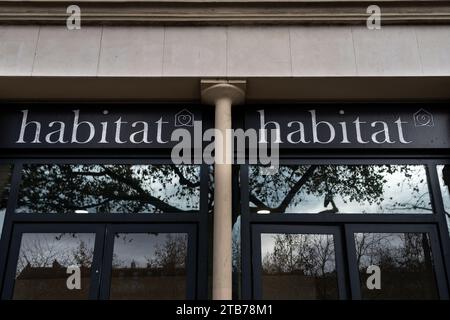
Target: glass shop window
149, 266
444, 181
298, 266
5, 186
406, 261
99, 188
378, 189
41, 272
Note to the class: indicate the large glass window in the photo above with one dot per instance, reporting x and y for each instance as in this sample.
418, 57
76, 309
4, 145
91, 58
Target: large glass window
355, 189
444, 181
405, 262
149, 266
69, 188
42, 268
5, 185
298, 266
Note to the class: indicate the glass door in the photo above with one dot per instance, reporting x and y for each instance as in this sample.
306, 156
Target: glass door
376, 262
146, 262
298, 263
106, 261
395, 262
49, 262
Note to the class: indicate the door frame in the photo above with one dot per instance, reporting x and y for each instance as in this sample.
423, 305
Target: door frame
436, 249
20, 229
257, 230
202, 219
436, 218
191, 258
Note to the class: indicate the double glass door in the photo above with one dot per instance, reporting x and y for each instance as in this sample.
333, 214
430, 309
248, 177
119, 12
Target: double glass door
102, 261
376, 261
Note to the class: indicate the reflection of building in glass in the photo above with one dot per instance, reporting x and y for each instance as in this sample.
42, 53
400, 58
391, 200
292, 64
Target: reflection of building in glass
49, 282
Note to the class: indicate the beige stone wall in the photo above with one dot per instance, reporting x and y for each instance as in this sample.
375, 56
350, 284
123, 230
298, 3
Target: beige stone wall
295, 51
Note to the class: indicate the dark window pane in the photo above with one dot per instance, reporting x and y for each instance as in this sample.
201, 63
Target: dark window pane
340, 189
43, 261
405, 261
149, 266
444, 180
298, 266
109, 188
5, 186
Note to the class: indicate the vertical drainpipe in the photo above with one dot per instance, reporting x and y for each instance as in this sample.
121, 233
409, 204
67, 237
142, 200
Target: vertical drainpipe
222, 94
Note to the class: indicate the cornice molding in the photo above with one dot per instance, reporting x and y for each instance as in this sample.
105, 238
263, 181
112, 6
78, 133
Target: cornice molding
224, 12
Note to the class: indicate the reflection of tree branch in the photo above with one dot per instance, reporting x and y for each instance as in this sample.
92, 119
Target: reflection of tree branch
411, 207
258, 203
183, 180
142, 196
88, 206
297, 186
334, 210
290, 195
87, 173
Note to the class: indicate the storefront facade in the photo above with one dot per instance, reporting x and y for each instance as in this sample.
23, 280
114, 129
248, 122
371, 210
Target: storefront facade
357, 207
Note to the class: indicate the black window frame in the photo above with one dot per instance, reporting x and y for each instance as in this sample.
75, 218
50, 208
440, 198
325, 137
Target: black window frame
20, 229
257, 230
436, 250
437, 217
112, 229
200, 218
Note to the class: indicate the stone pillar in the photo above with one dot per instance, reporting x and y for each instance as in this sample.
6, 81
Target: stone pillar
223, 94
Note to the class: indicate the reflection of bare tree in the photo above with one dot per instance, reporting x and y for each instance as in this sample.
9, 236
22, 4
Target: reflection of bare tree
110, 188
353, 183
45, 251
405, 261
366, 243
399, 250
42, 265
39, 254
83, 255
311, 256
171, 256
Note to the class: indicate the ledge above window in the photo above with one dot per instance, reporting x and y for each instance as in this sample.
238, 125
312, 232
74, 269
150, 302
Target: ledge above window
224, 12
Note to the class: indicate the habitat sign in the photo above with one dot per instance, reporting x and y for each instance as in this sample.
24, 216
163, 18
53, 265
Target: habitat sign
353, 126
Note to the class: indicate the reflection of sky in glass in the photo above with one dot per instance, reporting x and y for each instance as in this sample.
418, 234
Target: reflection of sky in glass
140, 248
109, 188
445, 192
2, 219
41, 250
401, 192
372, 248
308, 246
